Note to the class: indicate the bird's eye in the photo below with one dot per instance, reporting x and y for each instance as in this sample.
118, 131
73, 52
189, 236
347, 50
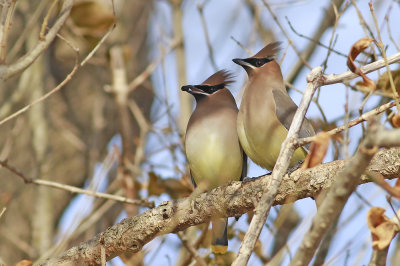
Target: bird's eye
259, 63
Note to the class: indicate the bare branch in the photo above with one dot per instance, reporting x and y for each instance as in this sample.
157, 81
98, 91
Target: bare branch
327, 22
73, 189
67, 78
191, 249
7, 71
45, 96
346, 182
5, 24
352, 123
200, 8
303, 61
337, 78
232, 199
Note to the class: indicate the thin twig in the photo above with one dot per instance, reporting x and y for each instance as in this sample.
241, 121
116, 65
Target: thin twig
3, 211
73, 189
7, 71
327, 21
67, 78
45, 96
46, 19
352, 123
200, 8
390, 33
191, 249
19, 243
313, 40
242, 46
304, 62
5, 25
381, 46
142, 77
33, 20
102, 40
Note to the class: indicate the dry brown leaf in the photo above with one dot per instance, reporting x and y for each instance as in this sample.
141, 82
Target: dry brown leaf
318, 150
380, 180
92, 16
24, 263
382, 228
355, 50
396, 120
320, 124
176, 188
384, 82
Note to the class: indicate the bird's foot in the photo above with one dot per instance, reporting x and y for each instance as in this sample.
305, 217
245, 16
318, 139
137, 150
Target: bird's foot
250, 179
294, 168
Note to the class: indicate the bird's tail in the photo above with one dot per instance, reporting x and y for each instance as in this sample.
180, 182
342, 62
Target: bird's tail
219, 244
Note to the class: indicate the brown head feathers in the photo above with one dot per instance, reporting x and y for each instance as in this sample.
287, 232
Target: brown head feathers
221, 77
268, 51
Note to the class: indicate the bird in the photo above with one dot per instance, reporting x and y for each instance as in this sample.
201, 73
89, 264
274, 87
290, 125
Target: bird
212, 145
266, 110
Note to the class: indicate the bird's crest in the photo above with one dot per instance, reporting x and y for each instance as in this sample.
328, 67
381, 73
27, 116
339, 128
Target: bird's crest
269, 51
221, 77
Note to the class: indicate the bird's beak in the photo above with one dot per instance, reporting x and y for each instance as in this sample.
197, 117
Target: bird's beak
191, 89
242, 62
239, 61
187, 88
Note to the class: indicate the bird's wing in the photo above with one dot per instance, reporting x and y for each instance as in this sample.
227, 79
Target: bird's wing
285, 110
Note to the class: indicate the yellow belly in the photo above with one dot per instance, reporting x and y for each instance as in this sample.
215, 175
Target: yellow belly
263, 146
214, 158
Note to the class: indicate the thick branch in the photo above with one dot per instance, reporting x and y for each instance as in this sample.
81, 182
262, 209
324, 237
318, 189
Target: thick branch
232, 199
346, 182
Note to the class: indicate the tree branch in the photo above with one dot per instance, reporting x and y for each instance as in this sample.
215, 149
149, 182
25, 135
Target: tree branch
346, 182
232, 199
7, 71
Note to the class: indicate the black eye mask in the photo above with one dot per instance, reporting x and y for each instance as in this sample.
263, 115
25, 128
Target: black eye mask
210, 89
258, 62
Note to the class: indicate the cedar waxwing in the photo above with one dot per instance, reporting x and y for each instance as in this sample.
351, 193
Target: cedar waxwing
267, 110
212, 145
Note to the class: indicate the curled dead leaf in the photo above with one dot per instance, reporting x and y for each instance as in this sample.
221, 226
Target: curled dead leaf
355, 50
396, 120
318, 150
382, 228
